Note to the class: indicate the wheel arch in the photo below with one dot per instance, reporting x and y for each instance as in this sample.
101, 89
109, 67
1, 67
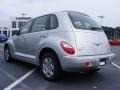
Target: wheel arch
45, 50
10, 44
6, 45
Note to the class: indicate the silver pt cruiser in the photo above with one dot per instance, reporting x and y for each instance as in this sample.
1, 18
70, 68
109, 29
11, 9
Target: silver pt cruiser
65, 40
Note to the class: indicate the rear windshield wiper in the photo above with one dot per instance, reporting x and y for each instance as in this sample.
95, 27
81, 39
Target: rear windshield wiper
96, 28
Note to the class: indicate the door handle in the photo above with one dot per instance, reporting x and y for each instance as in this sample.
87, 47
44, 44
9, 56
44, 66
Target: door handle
44, 36
24, 37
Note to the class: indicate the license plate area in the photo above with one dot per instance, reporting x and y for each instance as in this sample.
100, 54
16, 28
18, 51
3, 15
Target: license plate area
102, 61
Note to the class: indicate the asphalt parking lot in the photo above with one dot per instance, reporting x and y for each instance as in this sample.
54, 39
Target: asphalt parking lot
23, 76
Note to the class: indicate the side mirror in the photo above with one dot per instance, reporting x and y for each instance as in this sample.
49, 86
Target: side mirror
18, 32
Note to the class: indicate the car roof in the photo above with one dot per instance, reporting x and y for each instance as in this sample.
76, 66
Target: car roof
75, 12
58, 12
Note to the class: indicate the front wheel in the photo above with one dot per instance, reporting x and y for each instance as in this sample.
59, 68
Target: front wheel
7, 55
50, 66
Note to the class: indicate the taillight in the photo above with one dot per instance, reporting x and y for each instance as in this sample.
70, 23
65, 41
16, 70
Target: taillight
67, 48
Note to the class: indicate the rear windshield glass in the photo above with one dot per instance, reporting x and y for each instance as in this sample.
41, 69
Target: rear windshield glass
81, 21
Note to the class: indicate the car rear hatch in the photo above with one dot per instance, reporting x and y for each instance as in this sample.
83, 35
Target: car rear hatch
91, 42
89, 36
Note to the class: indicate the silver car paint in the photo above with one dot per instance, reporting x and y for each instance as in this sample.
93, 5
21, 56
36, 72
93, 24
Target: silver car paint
28, 50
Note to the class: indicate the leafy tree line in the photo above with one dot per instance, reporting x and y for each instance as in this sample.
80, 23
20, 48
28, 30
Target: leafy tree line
112, 33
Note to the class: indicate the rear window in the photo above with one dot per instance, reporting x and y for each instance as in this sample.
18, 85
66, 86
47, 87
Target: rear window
81, 21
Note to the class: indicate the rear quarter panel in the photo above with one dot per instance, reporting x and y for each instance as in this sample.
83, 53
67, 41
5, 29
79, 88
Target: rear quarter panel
56, 36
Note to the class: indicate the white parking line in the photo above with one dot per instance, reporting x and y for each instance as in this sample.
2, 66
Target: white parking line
13, 78
116, 65
19, 80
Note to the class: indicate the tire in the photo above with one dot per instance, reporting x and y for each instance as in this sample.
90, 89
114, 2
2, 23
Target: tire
7, 55
50, 66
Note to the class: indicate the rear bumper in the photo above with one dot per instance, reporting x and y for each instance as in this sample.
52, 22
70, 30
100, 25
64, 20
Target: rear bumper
77, 63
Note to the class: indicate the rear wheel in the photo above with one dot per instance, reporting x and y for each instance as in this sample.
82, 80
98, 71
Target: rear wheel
50, 66
7, 54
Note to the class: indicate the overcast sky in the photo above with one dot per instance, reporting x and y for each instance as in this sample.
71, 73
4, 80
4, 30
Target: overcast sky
110, 9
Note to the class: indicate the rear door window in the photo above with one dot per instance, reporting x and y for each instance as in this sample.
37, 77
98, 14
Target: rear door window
40, 24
